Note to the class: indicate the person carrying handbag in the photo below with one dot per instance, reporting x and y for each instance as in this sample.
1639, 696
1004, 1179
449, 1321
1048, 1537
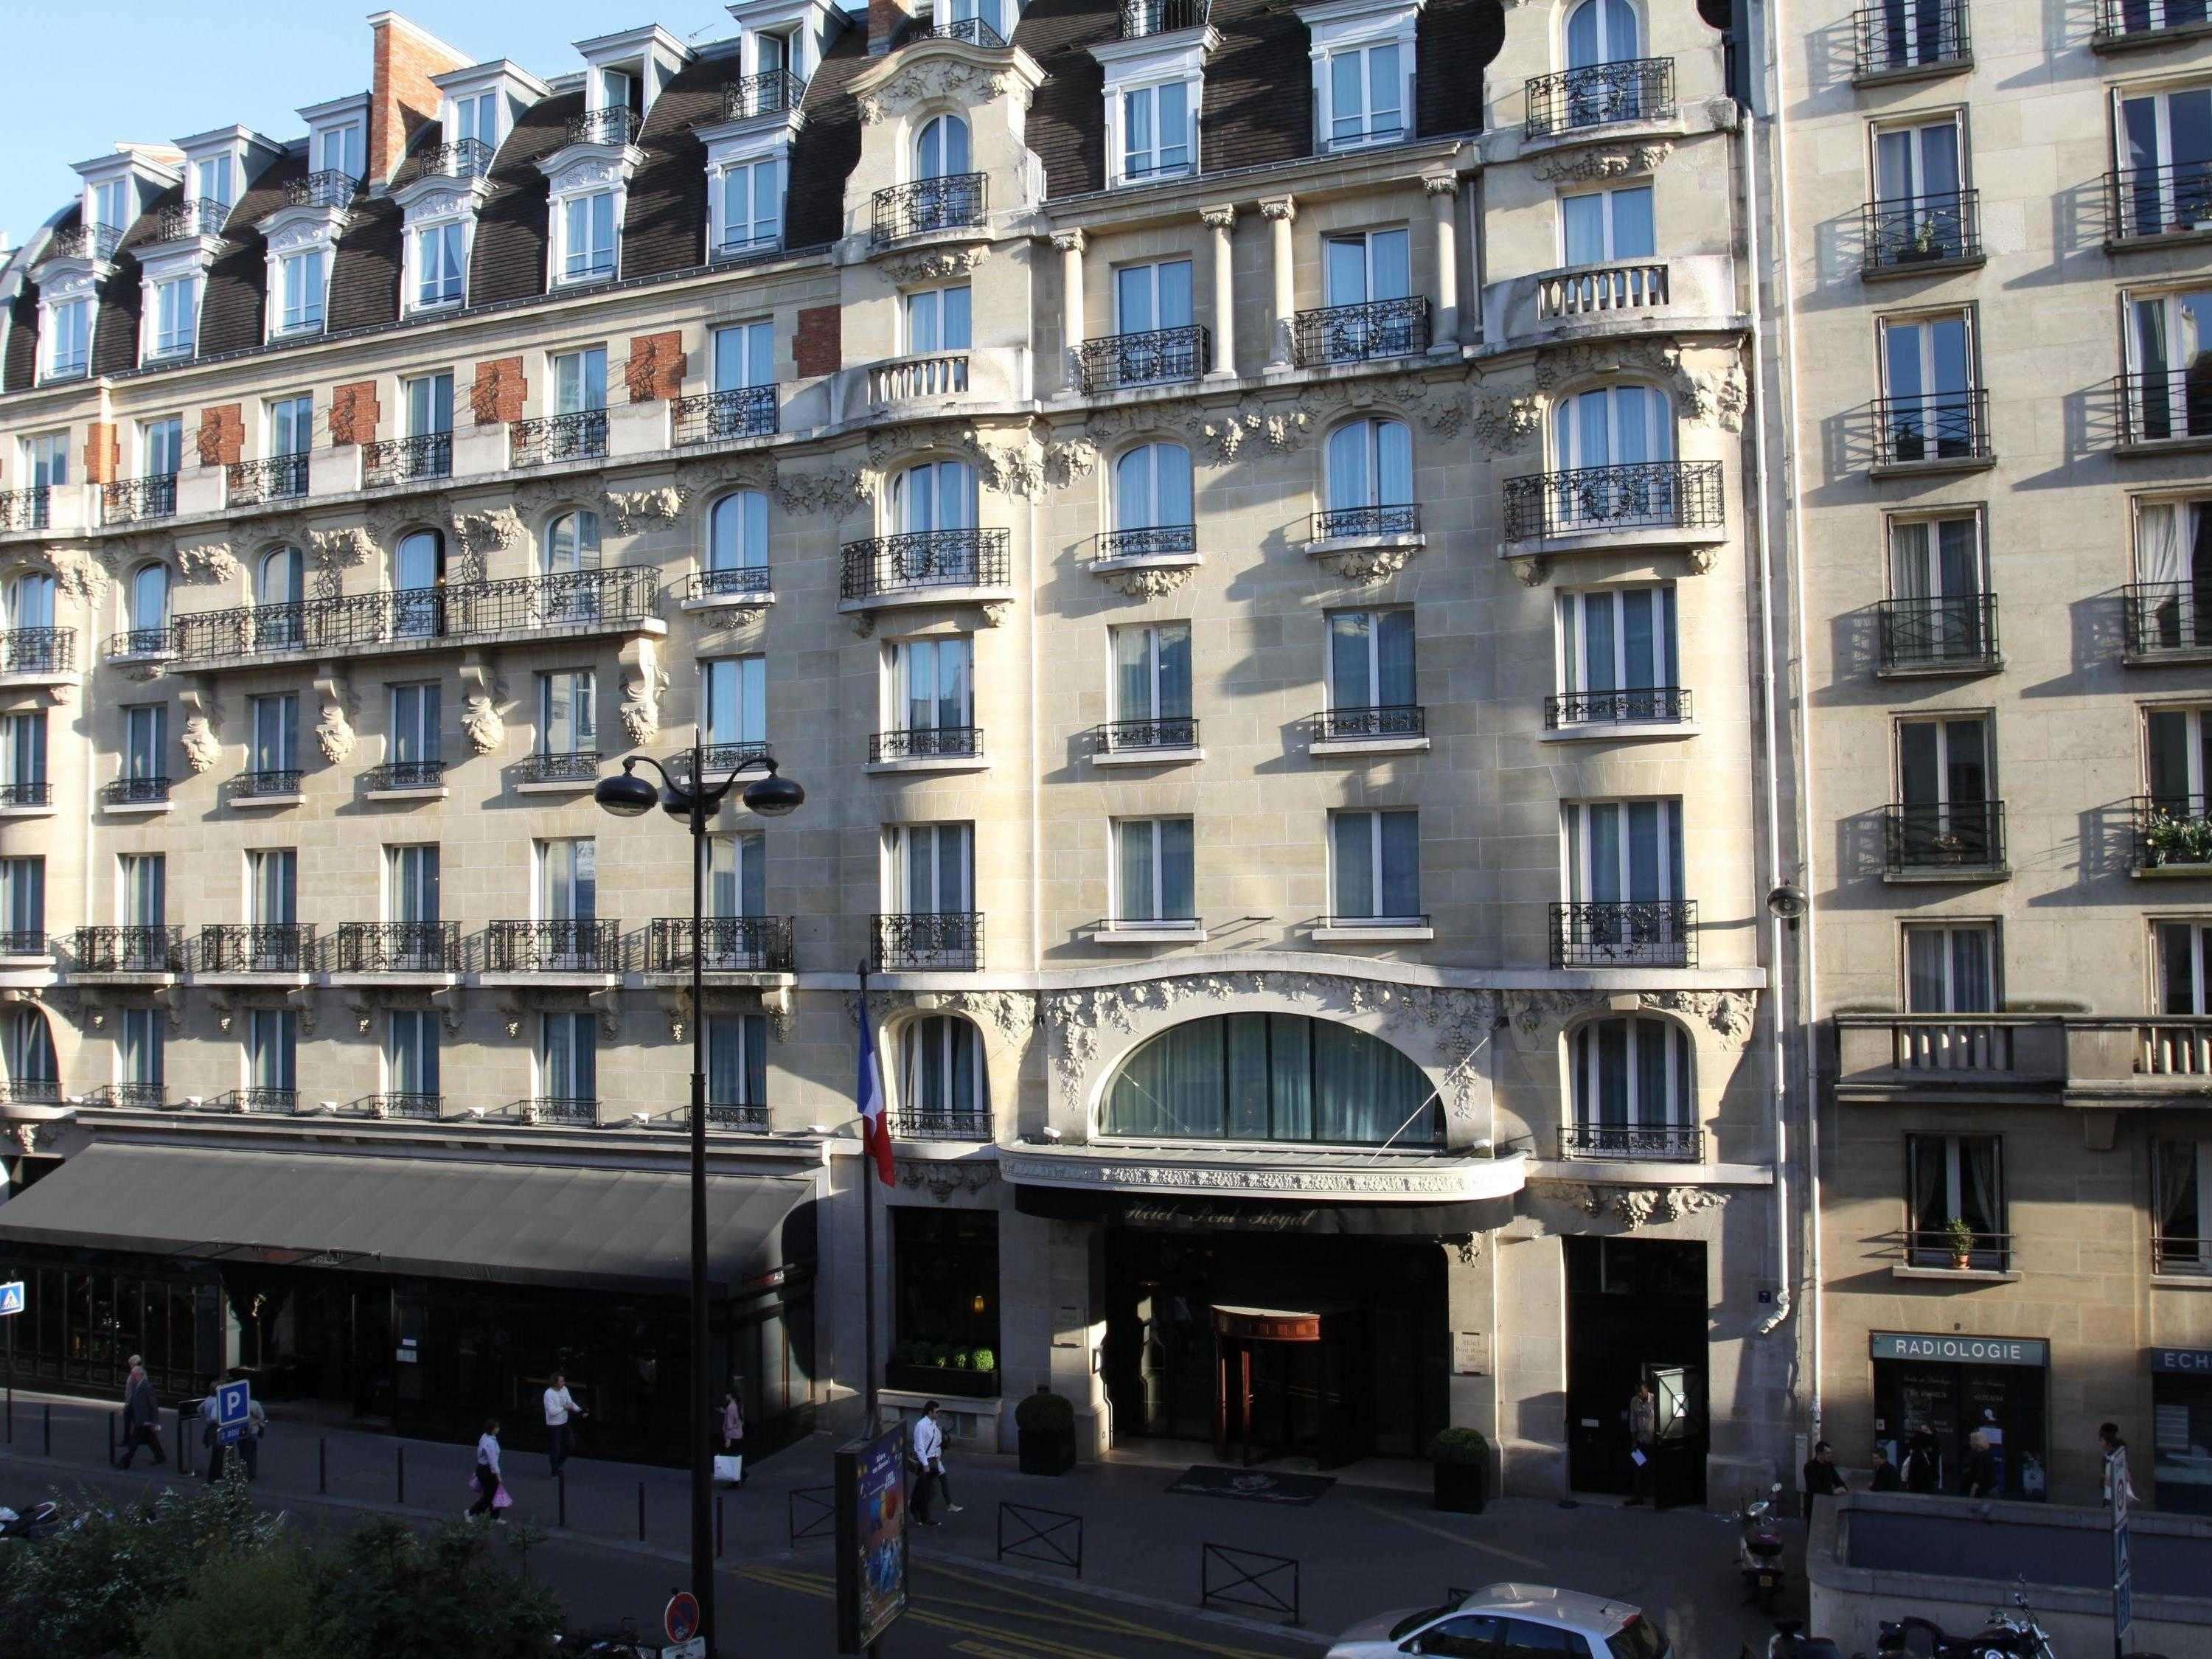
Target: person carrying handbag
730, 1462
491, 1496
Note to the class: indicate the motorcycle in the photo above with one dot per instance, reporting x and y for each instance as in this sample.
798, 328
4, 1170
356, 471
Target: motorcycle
40, 1520
1759, 1550
2008, 1634
1790, 1642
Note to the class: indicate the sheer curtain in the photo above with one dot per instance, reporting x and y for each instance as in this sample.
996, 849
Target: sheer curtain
1930, 1211
1283, 1078
1981, 1187
2180, 1222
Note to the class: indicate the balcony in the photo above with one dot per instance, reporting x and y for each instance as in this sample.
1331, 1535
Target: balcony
2173, 835
1914, 235
2144, 206
145, 1096
748, 411
26, 509
740, 587
1166, 547
1160, 357
955, 201
973, 30
32, 796
2164, 411
426, 1109
327, 189
923, 941
1898, 42
469, 158
388, 462
563, 770
279, 787
1355, 523
925, 565
1600, 95
1143, 18
255, 483
18, 944
2177, 1256
372, 948
138, 501
287, 948
734, 944
139, 647
941, 1123
407, 780
263, 1099
774, 93
570, 1111
620, 598
1934, 432
580, 436
2168, 622
592, 948
1630, 705
747, 1115
30, 1092
718, 757
147, 794
38, 653
1641, 503
960, 746
1413, 927
1948, 633
1373, 729
181, 221
81, 241
1155, 742
1943, 841
617, 125
133, 950
1357, 333
1625, 934
1667, 1143
2126, 25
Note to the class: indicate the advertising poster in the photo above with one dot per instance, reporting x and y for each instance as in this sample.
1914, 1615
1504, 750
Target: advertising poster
871, 1538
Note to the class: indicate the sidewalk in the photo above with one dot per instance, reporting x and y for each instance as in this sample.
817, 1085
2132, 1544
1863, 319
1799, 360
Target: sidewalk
1360, 1549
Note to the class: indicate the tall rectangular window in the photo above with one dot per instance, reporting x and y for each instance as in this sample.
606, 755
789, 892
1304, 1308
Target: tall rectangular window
145, 730
275, 723
1155, 135
1945, 784
69, 341
271, 1048
1151, 296
339, 149
292, 425
47, 460
411, 882
211, 182
272, 893
931, 868
933, 685
429, 406
1366, 95
1601, 226
567, 712
734, 691
736, 1062
2181, 1171
1370, 660
411, 1059
744, 356
111, 205
1154, 871
416, 737
1151, 672
142, 1057
143, 885
24, 739
1375, 265
569, 1058
1623, 852
1375, 861
1616, 654
938, 319
736, 875
300, 282
1951, 968
580, 381
752, 205
587, 236
441, 267
568, 879
1955, 1201
176, 316
161, 447
2184, 967
22, 907
1930, 411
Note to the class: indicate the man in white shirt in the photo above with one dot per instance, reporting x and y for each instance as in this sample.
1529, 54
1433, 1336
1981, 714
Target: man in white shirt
560, 1407
929, 1455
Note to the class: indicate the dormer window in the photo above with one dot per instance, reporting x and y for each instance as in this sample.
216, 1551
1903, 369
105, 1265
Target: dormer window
441, 267
475, 120
622, 89
111, 205
1366, 95
588, 237
981, 22
215, 179
176, 308
1156, 131
340, 149
68, 339
1155, 88
300, 287
749, 197
1363, 70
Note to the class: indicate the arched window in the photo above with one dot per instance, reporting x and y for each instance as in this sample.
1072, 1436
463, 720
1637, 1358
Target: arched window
1273, 1077
31, 601
278, 579
32, 1074
941, 1085
941, 148
1633, 1094
572, 544
418, 572
1615, 446
737, 532
934, 495
1602, 32
1152, 490
150, 599
1371, 479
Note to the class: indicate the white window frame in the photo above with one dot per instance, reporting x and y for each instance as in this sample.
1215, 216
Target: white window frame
897, 844
1578, 874
1950, 931
899, 692
163, 338
1339, 26
912, 347
80, 310
582, 720
301, 306
1606, 196
1144, 65
1373, 816
1119, 899
724, 161
741, 682
451, 237
566, 254
46, 454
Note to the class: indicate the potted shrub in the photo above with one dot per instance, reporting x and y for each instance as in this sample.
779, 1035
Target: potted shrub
1044, 1426
1960, 1237
1460, 1459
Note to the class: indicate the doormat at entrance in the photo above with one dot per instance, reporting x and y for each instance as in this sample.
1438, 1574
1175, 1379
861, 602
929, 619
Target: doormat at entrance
1256, 1485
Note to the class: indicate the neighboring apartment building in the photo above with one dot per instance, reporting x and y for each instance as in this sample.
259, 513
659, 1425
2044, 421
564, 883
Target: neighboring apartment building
1243, 543
2002, 276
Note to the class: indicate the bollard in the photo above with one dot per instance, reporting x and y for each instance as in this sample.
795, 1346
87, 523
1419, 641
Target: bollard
402, 1466
561, 1480
641, 1511
322, 1465
718, 1526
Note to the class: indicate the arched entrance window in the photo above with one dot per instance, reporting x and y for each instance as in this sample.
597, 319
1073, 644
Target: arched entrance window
1151, 491
1371, 480
1602, 32
32, 1073
1632, 1090
418, 572
572, 544
1273, 1077
31, 645
935, 495
1609, 78
737, 532
947, 191
1615, 446
149, 606
278, 588
941, 148
942, 1090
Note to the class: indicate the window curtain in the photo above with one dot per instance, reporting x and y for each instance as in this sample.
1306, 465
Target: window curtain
2179, 1221
1394, 658
1283, 1078
1401, 865
1655, 1103
1981, 1187
737, 1063
1290, 1039
1172, 1085
1354, 857
1925, 1155
1348, 466
1177, 868
30, 1049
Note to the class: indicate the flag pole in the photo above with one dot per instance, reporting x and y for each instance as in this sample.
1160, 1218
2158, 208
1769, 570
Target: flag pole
868, 1175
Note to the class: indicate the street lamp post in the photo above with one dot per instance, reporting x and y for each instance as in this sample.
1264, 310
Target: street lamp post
695, 802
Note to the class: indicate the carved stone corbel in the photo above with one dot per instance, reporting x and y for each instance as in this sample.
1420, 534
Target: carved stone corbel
303, 1002
1365, 567
451, 1009
676, 1005
1533, 573
208, 564
864, 623
224, 1008
202, 715
334, 733
608, 1006
481, 691
480, 533
633, 509
643, 681
336, 551
170, 999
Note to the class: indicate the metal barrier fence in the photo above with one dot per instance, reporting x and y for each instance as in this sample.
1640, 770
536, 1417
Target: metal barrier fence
809, 1512
1047, 1536
1232, 1578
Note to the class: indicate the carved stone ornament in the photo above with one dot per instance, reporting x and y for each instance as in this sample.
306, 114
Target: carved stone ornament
1578, 166
27, 1137
480, 533
633, 509
939, 79
643, 681
1069, 461
335, 551
1218, 218
1533, 573
829, 495
481, 693
1631, 1206
1365, 567
1015, 469
943, 1180
77, 574
1712, 394
996, 612
1701, 560
1729, 1014
334, 733
608, 1006
1148, 582
208, 564
938, 264
203, 714
1504, 422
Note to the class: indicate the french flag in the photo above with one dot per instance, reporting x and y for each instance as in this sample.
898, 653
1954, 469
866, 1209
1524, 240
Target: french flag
875, 1127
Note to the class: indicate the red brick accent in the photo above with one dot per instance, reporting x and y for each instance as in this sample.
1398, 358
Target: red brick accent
354, 413
887, 18
103, 454
497, 396
401, 96
222, 435
656, 367
817, 347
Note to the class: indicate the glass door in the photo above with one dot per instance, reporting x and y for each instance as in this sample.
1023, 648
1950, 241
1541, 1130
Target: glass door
1944, 777
1927, 386
1917, 210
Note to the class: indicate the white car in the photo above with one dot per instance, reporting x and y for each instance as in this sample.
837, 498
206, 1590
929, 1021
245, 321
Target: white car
1511, 1621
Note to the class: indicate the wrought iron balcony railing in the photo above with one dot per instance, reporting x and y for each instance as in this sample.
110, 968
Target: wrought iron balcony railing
135, 501
327, 189
26, 509
1352, 334
941, 1123
404, 775
1625, 934
425, 1108
1912, 230
397, 947
1140, 18
1130, 737
2171, 830
579, 436
388, 461
20, 942
267, 1099
129, 951
955, 201
30, 1092
1371, 721
553, 947
33, 791
1937, 835
2132, 20
928, 742
973, 30
1601, 95
257, 948
266, 784
1160, 357
1938, 1248
2166, 617
200, 217
1950, 630
574, 1109
617, 125
2179, 1253
84, 242
1397, 518
38, 651
745, 411
734, 944
1627, 705
1934, 426
274, 478
1411, 921
922, 940
734, 582
559, 766
925, 559
468, 158
1672, 1143
719, 757
768, 93
134, 792
1636, 496
138, 645
131, 1094
1895, 38
2162, 408
1151, 542
749, 1114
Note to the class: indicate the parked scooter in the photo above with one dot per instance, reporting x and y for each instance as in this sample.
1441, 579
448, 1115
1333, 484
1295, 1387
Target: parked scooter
1759, 1550
2008, 1634
40, 1520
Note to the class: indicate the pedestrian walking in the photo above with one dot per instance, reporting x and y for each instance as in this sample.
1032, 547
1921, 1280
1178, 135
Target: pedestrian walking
560, 1407
1822, 1478
1886, 1478
730, 1462
1923, 1461
1981, 1475
2118, 1481
929, 1460
1643, 1440
488, 1489
141, 1416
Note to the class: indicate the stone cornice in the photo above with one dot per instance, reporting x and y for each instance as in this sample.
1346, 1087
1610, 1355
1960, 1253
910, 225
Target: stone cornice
1341, 1175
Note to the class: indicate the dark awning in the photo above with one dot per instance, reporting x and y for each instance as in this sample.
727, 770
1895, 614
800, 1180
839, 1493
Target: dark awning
521, 1224
1172, 1214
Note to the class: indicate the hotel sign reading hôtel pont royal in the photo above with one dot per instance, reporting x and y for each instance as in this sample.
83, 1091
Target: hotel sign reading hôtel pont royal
1962, 1349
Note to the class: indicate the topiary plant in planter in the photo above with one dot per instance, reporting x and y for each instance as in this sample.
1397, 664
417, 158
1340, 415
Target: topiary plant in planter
986, 1361
1044, 1426
1459, 1460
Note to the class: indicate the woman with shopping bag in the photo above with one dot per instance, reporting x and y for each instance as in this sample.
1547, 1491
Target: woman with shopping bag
730, 1462
492, 1496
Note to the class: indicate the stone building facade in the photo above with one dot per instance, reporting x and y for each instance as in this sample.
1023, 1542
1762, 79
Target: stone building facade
1245, 545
